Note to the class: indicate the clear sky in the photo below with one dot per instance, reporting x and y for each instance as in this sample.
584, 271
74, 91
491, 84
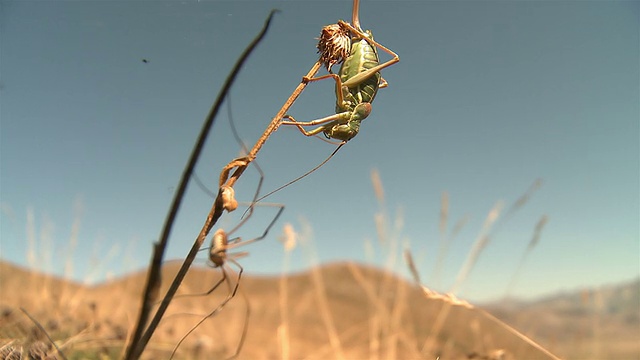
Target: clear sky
488, 97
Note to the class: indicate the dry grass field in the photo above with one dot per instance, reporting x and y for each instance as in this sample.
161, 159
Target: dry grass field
332, 311
337, 311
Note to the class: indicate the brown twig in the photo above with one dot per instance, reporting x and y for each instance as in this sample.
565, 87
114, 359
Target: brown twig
41, 328
240, 164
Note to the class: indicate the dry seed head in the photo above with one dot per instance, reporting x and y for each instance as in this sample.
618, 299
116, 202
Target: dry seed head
536, 233
522, 200
412, 266
444, 212
334, 45
289, 237
378, 189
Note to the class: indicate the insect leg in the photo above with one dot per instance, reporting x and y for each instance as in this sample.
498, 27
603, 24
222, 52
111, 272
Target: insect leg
370, 72
329, 121
217, 309
219, 257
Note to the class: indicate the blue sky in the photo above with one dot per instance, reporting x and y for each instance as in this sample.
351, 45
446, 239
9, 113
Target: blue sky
488, 97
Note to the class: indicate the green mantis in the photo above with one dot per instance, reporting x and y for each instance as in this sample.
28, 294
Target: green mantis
357, 84
357, 81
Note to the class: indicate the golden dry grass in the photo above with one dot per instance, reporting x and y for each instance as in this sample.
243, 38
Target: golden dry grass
373, 318
338, 311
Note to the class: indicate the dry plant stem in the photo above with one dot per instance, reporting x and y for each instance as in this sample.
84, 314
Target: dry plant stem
321, 296
323, 302
138, 340
44, 332
444, 218
449, 303
212, 218
245, 327
430, 342
521, 336
479, 245
289, 241
534, 241
241, 164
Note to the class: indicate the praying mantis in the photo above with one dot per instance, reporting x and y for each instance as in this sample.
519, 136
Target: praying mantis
357, 81
357, 84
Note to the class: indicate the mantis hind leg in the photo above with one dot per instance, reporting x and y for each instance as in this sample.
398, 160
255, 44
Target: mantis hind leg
336, 78
370, 72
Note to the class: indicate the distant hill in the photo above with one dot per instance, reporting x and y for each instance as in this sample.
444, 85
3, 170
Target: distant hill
344, 309
593, 323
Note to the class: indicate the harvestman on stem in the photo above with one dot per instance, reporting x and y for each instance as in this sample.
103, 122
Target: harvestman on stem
230, 174
146, 325
219, 257
220, 244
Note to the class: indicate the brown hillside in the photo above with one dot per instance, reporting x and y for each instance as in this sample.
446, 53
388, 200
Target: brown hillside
339, 310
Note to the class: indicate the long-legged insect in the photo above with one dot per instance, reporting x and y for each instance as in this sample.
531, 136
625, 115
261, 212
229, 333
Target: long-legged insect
219, 257
357, 82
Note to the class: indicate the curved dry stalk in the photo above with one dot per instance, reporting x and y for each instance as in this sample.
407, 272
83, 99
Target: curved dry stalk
240, 164
532, 244
139, 340
451, 304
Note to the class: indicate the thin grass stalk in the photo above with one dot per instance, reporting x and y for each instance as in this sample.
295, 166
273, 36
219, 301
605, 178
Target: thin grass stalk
140, 340
442, 253
520, 335
480, 244
519, 203
73, 242
395, 319
449, 300
442, 229
374, 337
378, 310
380, 289
349, 335
289, 242
532, 244
41, 328
321, 294
367, 286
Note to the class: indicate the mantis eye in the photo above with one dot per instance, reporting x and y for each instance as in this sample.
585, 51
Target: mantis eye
361, 111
